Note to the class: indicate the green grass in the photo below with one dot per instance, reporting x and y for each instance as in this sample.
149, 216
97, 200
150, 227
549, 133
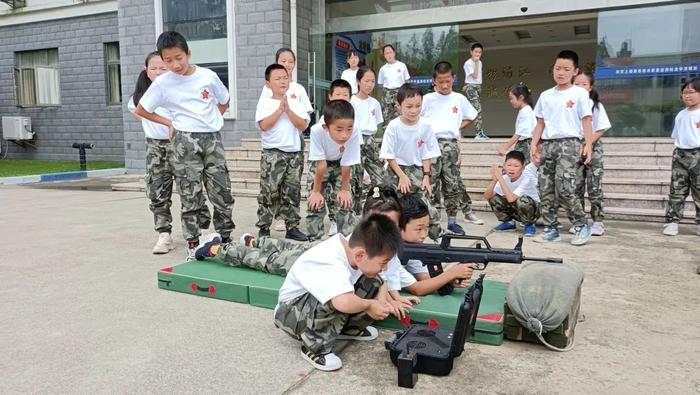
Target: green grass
20, 167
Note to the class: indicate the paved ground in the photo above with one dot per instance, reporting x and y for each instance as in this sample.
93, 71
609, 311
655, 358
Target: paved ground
82, 313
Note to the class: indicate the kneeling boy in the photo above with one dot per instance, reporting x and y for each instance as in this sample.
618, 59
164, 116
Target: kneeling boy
329, 293
514, 195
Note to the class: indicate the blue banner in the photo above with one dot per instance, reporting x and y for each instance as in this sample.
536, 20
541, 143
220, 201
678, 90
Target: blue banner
658, 70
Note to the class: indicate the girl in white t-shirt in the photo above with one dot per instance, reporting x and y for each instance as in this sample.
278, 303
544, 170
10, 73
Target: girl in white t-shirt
391, 76
520, 97
591, 175
368, 116
350, 74
160, 159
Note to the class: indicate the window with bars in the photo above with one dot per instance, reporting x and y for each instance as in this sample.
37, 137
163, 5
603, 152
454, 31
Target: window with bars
36, 78
113, 74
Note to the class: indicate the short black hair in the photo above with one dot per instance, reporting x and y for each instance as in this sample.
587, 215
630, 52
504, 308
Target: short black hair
477, 45
388, 46
271, 68
338, 109
378, 235
381, 199
171, 39
407, 90
442, 68
412, 207
570, 55
693, 83
364, 70
517, 155
283, 50
339, 84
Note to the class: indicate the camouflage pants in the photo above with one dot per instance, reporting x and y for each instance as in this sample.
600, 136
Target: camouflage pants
525, 209
389, 110
371, 161
344, 217
280, 187
200, 159
318, 325
358, 188
557, 180
685, 178
446, 179
415, 174
524, 147
267, 254
591, 177
473, 94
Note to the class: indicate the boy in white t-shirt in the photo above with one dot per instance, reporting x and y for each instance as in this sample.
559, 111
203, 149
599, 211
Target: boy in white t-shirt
513, 194
473, 77
196, 98
330, 292
448, 112
281, 119
563, 120
408, 146
391, 77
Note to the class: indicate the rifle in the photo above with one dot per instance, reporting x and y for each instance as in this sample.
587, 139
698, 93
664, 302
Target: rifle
434, 255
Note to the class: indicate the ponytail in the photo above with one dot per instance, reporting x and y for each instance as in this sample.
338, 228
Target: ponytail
593, 94
524, 91
143, 82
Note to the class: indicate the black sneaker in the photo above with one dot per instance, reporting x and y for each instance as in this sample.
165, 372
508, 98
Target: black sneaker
295, 234
264, 232
202, 251
326, 362
369, 333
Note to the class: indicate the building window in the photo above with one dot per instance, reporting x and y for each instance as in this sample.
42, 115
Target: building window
113, 74
36, 78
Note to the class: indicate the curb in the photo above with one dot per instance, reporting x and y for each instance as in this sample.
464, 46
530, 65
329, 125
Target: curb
67, 176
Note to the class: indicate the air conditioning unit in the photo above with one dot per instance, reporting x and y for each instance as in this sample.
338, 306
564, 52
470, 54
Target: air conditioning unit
17, 128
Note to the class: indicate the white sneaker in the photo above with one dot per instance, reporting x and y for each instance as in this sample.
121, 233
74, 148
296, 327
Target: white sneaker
583, 234
333, 228
472, 218
190, 254
164, 244
369, 333
572, 230
326, 362
671, 229
598, 229
279, 225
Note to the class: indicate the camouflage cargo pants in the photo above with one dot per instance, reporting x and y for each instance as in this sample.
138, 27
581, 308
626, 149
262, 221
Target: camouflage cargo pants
358, 188
415, 174
473, 94
280, 187
389, 110
372, 164
318, 325
524, 147
344, 217
525, 209
590, 177
557, 180
267, 254
200, 160
685, 178
446, 179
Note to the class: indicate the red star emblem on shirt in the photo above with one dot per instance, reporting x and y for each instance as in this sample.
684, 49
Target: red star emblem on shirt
373, 112
341, 149
293, 96
570, 104
398, 71
454, 109
421, 143
205, 94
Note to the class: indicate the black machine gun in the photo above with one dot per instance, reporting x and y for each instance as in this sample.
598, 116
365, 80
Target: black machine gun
434, 255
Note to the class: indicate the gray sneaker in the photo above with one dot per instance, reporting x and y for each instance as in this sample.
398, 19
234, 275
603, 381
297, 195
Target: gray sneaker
583, 234
598, 229
671, 229
472, 218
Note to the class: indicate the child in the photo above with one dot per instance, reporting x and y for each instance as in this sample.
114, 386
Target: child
685, 168
196, 98
281, 119
408, 145
472, 86
514, 197
368, 115
520, 98
350, 74
334, 148
448, 112
591, 175
391, 77
563, 113
330, 292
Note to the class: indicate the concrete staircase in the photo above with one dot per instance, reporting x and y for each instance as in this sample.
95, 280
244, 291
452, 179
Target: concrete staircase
636, 182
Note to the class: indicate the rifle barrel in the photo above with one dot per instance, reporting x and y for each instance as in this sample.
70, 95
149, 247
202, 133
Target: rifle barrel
550, 260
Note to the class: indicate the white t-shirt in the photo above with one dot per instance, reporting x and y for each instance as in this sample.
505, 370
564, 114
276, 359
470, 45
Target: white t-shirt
686, 129
409, 145
191, 99
368, 114
322, 146
525, 123
396, 276
600, 118
295, 93
469, 70
350, 76
393, 75
446, 113
283, 136
153, 130
526, 185
414, 266
323, 271
563, 111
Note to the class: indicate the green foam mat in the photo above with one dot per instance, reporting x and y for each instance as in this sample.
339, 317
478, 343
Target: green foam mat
237, 284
